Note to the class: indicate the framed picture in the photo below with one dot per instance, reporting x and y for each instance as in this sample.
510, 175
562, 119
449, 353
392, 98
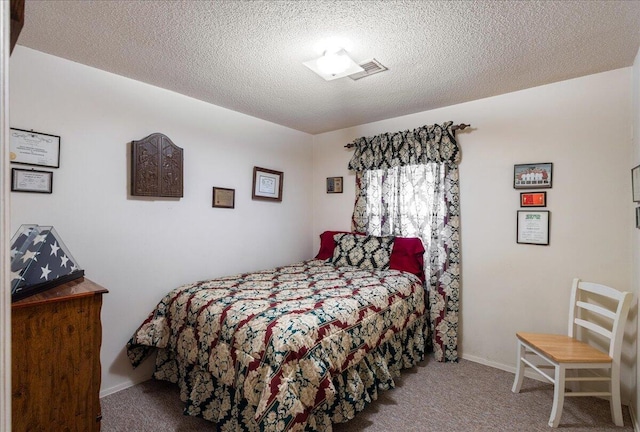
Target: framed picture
532, 176
334, 184
267, 184
533, 227
638, 217
635, 183
23, 180
533, 199
34, 148
224, 198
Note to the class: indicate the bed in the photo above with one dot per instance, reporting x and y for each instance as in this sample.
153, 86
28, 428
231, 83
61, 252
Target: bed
297, 347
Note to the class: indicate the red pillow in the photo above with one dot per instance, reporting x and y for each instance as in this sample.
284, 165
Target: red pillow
407, 254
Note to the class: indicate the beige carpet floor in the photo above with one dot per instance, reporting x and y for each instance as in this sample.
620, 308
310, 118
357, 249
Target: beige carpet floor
433, 396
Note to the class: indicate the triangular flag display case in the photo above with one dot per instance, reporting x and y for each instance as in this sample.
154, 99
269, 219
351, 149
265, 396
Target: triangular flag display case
39, 261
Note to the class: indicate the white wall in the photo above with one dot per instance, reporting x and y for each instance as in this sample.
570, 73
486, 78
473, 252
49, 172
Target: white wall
140, 249
636, 232
582, 126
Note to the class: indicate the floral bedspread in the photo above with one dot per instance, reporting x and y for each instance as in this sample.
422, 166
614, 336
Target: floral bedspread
263, 351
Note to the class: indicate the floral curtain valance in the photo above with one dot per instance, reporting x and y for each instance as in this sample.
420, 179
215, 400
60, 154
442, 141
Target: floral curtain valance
433, 143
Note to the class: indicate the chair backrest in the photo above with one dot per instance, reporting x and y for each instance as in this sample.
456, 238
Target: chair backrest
589, 312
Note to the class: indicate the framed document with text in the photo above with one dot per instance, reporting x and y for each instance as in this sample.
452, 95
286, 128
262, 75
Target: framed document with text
267, 184
224, 198
34, 148
23, 180
533, 227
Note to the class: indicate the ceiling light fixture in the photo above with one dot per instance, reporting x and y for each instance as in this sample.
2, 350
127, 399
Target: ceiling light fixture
333, 64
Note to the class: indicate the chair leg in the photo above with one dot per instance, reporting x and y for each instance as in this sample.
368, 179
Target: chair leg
614, 401
558, 396
520, 367
572, 386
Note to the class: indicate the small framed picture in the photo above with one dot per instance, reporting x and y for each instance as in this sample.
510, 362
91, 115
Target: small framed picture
23, 180
34, 148
635, 183
224, 198
267, 184
334, 184
533, 227
532, 176
533, 199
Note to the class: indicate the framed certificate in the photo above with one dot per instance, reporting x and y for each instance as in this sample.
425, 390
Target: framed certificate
533, 227
224, 198
34, 148
23, 180
267, 184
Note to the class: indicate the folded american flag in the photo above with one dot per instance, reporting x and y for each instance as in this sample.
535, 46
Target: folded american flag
39, 260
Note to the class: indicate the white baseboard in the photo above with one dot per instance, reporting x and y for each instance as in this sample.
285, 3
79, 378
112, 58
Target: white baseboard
486, 362
122, 386
501, 366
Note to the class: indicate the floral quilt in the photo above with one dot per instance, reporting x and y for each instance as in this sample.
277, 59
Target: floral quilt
292, 348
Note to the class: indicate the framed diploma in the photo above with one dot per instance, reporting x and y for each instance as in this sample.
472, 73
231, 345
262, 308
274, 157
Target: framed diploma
31, 181
34, 148
267, 184
224, 198
533, 227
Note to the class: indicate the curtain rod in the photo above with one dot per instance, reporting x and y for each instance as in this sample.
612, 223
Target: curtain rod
454, 128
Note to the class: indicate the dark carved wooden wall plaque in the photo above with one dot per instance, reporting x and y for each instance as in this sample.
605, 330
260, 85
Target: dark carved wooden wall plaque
156, 167
17, 22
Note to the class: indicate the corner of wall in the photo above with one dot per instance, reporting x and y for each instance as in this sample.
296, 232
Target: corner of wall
634, 405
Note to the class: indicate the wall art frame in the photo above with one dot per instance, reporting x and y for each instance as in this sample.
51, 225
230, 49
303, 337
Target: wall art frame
635, 183
533, 227
533, 199
34, 181
34, 148
638, 217
224, 198
334, 184
157, 167
267, 184
533, 176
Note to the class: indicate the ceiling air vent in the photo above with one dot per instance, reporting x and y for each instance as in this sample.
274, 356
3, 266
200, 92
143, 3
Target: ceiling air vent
370, 67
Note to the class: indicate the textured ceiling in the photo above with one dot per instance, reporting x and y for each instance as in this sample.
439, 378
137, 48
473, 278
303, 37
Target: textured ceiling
247, 55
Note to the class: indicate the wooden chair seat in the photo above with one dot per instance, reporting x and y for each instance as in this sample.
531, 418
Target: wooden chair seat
564, 349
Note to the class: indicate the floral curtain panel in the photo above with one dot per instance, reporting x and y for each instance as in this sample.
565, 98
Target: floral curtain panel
407, 185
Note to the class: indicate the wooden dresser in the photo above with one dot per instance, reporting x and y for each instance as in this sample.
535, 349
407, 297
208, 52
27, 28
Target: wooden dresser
55, 361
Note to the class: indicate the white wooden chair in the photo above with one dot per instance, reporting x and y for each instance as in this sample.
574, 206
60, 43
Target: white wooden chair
594, 308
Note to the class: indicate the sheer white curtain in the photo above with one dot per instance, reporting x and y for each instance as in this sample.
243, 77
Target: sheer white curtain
400, 201
407, 185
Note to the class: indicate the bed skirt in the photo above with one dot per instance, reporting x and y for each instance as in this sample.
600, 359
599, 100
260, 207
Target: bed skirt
352, 391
